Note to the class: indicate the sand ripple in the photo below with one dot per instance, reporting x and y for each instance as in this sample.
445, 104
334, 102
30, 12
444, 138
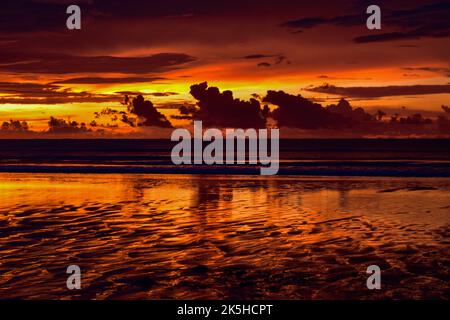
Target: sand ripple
188, 237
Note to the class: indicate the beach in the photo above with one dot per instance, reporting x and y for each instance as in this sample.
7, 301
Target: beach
200, 236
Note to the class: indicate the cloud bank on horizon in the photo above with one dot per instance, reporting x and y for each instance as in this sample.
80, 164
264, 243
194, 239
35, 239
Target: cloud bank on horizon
218, 109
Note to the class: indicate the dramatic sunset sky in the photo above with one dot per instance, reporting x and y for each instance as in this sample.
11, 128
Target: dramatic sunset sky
161, 48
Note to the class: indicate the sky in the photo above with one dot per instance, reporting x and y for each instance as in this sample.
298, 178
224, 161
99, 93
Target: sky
321, 50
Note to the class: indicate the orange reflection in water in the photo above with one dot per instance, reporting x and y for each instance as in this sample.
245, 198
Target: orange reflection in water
194, 236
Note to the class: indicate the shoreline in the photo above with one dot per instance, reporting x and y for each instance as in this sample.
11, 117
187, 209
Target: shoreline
335, 170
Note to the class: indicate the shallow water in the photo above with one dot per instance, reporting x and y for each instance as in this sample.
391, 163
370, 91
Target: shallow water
228, 237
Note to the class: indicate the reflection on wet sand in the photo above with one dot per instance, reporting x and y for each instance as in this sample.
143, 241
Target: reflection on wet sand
232, 237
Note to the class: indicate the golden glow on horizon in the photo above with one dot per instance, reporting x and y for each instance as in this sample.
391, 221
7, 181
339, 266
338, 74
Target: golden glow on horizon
241, 77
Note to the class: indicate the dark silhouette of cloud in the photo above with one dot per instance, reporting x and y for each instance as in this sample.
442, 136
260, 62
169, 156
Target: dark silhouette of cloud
311, 22
61, 126
408, 46
298, 112
305, 23
390, 36
101, 80
264, 64
145, 109
221, 109
186, 111
415, 119
343, 120
434, 32
376, 92
281, 59
88, 98
430, 20
446, 109
14, 126
339, 78
426, 20
357, 115
439, 70
34, 93
153, 94
258, 56
26, 88
64, 64
162, 94
277, 59
443, 125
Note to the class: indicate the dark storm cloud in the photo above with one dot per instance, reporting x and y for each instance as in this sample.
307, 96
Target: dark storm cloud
63, 64
145, 109
162, 94
27, 88
305, 23
14, 126
342, 21
276, 58
427, 20
376, 92
433, 32
301, 113
391, 36
339, 78
258, 56
72, 98
298, 112
101, 80
221, 109
61, 126
438, 70
153, 94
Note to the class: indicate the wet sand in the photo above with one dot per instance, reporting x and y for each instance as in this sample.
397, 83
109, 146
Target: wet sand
144, 236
